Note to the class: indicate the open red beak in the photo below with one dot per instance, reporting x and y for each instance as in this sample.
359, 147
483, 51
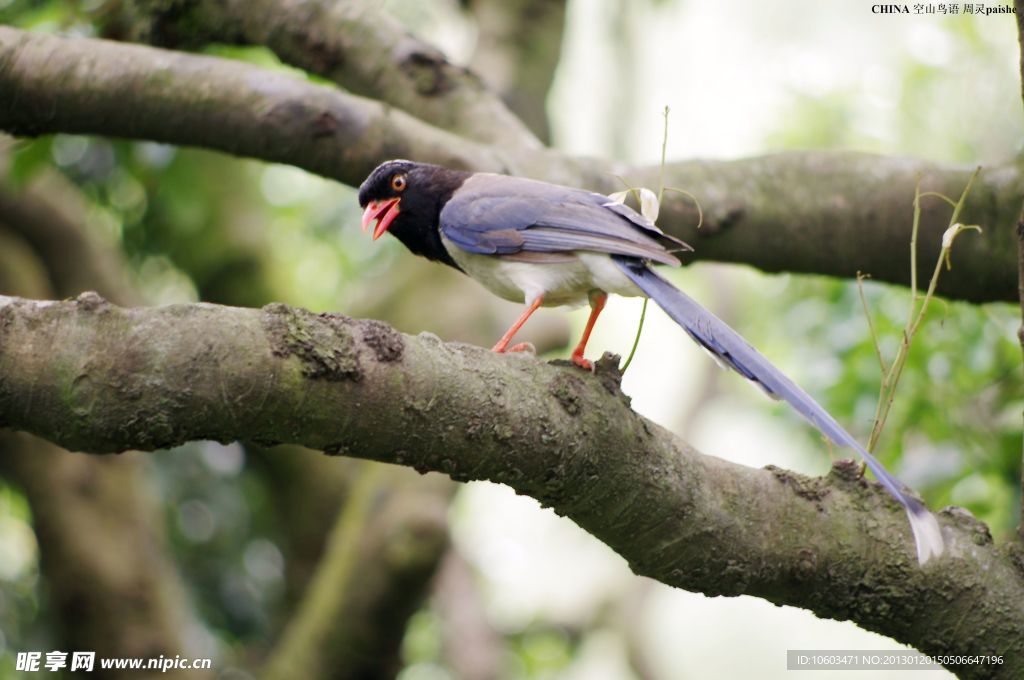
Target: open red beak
384, 212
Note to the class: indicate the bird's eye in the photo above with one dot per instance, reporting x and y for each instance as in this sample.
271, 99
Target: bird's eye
398, 182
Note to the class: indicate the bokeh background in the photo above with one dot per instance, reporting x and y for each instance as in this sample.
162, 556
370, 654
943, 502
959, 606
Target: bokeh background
740, 79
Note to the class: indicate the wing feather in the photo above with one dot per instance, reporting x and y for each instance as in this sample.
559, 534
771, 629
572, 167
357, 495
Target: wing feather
500, 215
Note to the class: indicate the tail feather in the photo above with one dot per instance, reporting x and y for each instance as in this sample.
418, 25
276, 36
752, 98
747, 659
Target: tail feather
723, 342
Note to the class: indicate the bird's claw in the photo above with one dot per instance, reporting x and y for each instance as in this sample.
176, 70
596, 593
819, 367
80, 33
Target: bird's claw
523, 347
583, 362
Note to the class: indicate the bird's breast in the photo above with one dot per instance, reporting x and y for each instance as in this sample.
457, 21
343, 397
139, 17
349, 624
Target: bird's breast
563, 278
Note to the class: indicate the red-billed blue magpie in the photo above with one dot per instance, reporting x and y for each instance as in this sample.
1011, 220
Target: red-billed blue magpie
544, 244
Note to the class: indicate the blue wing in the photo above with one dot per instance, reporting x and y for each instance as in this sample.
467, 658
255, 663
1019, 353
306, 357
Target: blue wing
500, 215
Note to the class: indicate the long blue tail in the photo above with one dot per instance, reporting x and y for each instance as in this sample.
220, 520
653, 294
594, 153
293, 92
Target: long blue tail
726, 344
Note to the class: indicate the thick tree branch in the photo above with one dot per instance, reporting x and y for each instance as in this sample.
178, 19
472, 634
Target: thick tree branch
837, 213
95, 377
145, 93
828, 213
351, 43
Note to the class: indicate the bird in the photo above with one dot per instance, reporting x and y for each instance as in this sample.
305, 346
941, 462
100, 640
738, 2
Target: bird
543, 244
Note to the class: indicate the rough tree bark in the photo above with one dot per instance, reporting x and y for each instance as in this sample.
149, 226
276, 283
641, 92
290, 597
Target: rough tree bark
352, 43
828, 213
103, 378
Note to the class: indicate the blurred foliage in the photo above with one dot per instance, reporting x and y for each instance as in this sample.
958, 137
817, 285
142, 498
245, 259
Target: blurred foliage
225, 533
199, 225
541, 650
23, 623
910, 107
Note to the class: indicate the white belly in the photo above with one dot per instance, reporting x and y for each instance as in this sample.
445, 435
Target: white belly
566, 282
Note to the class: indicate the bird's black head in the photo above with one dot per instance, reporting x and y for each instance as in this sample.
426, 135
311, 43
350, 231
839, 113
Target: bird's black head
405, 198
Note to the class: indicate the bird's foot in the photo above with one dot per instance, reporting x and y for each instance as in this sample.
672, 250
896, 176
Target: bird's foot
518, 347
582, 362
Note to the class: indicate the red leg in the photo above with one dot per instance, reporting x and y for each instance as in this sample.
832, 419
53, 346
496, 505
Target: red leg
596, 305
502, 345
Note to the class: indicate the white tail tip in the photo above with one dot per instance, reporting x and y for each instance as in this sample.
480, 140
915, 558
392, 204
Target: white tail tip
927, 533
